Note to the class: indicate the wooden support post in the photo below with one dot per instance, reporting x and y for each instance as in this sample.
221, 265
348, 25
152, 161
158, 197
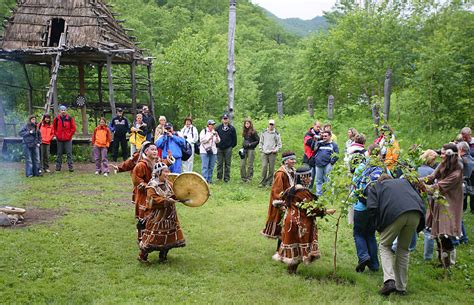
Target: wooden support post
387, 90
111, 85
30, 90
82, 92
331, 107
231, 61
151, 104
280, 104
133, 68
310, 106
3, 123
99, 85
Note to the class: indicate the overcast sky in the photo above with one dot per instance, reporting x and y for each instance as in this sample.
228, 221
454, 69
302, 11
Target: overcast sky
304, 9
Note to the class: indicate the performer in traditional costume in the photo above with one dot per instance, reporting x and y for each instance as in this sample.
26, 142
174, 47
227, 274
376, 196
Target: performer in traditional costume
141, 175
129, 164
284, 178
300, 233
162, 231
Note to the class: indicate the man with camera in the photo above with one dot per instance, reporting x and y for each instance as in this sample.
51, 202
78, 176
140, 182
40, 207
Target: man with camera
171, 141
208, 149
324, 159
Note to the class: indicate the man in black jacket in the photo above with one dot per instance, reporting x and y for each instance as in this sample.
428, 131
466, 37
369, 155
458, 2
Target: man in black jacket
397, 210
120, 127
228, 137
150, 122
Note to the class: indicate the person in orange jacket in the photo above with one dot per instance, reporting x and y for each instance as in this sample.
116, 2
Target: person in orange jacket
389, 146
47, 135
101, 141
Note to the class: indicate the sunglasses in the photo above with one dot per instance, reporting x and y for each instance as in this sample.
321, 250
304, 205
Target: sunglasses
271, 124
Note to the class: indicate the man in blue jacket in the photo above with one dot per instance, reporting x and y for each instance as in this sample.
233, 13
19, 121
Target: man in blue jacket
171, 141
326, 156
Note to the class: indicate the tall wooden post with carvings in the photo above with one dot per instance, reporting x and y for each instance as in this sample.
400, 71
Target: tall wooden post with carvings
231, 62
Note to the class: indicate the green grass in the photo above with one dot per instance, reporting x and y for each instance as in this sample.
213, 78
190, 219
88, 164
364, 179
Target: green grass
89, 254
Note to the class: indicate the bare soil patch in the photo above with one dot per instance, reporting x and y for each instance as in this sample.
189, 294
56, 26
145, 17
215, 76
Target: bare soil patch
35, 215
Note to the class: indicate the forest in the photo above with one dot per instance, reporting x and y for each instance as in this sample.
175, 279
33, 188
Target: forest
429, 47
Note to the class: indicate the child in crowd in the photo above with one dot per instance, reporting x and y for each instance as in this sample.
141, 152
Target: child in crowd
101, 142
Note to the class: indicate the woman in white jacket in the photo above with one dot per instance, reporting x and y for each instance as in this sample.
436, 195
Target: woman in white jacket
208, 150
190, 134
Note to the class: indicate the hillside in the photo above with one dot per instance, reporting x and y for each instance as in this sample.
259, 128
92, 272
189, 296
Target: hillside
299, 26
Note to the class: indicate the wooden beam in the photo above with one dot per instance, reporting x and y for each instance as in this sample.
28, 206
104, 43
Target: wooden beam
99, 84
30, 90
82, 91
111, 85
151, 104
133, 68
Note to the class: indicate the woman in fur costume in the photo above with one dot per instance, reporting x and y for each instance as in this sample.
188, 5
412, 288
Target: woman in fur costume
300, 233
162, 230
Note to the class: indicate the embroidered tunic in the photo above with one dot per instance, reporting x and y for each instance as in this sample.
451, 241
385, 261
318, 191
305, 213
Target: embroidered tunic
162, 231
300, 233
284, 178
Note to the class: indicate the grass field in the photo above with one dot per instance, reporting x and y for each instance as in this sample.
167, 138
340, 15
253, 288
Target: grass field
87, 255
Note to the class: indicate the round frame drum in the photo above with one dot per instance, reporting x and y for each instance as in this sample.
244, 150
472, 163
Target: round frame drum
192, 189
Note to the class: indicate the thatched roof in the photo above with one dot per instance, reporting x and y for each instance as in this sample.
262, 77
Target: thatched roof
92, 32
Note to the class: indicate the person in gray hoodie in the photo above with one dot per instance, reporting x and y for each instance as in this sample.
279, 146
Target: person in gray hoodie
269, 145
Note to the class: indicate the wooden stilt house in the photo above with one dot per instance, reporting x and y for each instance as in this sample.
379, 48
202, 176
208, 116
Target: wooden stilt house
58, 33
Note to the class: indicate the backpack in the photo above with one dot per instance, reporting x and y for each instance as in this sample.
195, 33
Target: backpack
187, 151
198, 143
368, 176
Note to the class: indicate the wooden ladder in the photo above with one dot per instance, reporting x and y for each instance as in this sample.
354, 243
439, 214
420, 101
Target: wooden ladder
54, 74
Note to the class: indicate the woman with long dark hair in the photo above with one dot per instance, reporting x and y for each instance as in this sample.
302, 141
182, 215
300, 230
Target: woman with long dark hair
445, 220
247, 153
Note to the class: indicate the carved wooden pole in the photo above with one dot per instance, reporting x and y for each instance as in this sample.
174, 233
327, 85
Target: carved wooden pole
111, 85
280, 104
387, 90
331, 107
231, 63
310, 106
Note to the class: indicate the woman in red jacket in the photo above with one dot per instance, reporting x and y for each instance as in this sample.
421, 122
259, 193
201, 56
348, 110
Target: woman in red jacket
101, 141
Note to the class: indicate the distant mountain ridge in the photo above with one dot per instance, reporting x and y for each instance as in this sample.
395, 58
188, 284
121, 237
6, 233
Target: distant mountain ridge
299, 26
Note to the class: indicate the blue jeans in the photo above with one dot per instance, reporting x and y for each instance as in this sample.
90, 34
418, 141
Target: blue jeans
428, 246
32, 161
313, 177
464, 239
365, 241
208, 163
412, 245
322, 174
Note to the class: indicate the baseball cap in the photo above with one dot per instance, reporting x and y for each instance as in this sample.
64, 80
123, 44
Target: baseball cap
272, 122
62, 108
225, 116
119, 109
168, 125
211, 122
